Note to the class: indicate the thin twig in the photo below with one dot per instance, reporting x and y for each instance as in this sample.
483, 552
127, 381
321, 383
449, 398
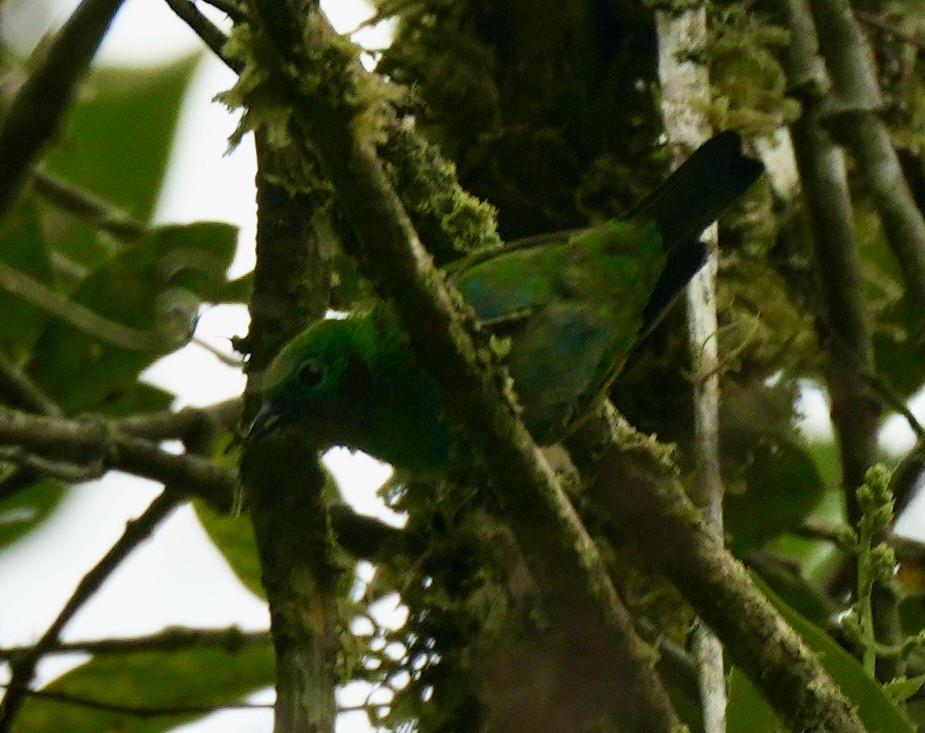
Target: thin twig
210, 34
819, 528
891, 399
23, 668
231, 640
19, 390
685, 89
100, 214
139, 711
224, 358
21, 285
230, 8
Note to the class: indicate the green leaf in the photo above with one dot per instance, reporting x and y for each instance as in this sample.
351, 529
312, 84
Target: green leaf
119, 135
82, 371
23, 248
780, 488
26, 509
876, 710
194, 677
748, 711
234, 537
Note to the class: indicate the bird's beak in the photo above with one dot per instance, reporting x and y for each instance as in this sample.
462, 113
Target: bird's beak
269, 417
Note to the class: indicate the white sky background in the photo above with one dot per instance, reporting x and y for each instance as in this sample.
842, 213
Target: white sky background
178, 577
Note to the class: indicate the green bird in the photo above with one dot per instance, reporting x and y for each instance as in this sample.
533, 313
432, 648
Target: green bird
573, 305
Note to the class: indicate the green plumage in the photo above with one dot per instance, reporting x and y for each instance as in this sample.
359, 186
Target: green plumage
573, 306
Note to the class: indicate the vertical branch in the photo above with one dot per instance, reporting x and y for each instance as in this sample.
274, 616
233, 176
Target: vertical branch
685, 91
844, 327
282, 478
852, 116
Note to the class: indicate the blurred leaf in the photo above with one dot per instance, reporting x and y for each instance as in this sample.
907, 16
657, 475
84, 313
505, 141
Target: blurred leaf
771, 480
234, 537
26, 509
747, 710
81, 371
788, 582
116, 146
912, 613
876, 710
119, 135
22, 247
898, 345
195, 677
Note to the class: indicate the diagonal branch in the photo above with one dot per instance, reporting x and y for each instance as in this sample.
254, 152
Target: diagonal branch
23, 668
36, 112
210, 34
630, 477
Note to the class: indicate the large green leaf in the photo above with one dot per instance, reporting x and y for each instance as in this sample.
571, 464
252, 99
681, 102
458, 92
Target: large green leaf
116, 146
195, 677
771, 479
876, 710
84, 372
748, 711
118, 137
234, 537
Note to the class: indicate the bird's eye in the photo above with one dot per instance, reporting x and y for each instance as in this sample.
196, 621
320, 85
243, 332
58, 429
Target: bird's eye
311, 373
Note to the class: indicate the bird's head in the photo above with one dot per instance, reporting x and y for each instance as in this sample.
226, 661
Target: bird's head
319, 383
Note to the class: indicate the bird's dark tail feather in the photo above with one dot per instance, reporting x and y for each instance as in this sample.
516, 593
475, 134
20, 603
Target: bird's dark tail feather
691, 199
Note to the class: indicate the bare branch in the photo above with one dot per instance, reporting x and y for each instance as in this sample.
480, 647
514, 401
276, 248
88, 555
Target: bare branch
18, 390
86, 442
210, 34
100, 214
140, 711
685, 96
231, 640
23, 667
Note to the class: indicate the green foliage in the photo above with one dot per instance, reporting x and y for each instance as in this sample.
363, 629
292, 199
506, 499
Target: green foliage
27, 509
150, 285
234, 537
193, 678
118, 137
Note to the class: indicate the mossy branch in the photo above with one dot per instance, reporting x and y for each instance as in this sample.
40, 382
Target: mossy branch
630, 477
335, 115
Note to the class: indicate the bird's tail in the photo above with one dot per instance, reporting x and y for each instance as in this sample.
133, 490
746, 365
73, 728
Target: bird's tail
691, 199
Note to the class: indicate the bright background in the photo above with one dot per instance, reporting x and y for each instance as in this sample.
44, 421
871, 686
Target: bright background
178, 577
